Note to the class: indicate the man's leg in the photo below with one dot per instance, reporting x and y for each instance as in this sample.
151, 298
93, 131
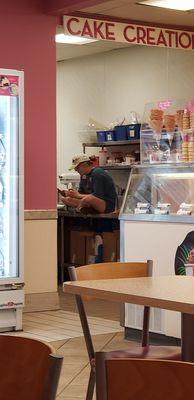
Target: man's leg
94, 202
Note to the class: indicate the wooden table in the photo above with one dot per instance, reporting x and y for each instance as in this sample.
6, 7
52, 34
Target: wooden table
174, 293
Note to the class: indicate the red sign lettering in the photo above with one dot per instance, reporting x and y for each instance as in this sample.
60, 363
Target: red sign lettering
150, 39
125, 33
109, 35
141, 35
86, 31
97, 29
161, 39
69, 24
188, 38
170, 38
176, 37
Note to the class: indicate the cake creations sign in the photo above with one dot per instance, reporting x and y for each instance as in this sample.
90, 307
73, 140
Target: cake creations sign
128, 33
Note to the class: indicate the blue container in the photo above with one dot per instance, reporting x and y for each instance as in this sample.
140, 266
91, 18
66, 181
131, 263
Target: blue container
133, 131
101, 136
120, 132
110, 136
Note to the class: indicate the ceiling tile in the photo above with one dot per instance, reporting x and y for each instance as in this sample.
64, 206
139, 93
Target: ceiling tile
105, 6
130, 10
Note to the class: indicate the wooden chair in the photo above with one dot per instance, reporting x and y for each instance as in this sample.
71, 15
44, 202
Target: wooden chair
140, 379
116, 270
28, 369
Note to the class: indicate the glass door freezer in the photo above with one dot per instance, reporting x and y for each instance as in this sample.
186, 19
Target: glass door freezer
11, 199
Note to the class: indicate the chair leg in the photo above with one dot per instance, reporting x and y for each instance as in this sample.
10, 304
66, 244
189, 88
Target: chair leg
91, 384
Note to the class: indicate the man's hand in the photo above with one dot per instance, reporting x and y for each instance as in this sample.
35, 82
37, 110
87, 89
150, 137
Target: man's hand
69, 201
62, 192
74, 194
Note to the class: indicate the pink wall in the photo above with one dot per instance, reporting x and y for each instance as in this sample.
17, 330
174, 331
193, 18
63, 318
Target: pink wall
27, 43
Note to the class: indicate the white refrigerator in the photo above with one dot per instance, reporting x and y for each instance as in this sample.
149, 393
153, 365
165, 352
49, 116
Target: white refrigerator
11, 199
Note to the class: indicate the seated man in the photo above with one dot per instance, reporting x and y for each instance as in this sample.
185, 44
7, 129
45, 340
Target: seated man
96, 190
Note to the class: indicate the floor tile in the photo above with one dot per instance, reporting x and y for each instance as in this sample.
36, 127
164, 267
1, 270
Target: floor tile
50, 326
58, 344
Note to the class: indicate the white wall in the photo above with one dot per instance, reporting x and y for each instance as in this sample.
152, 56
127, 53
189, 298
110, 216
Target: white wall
149, 240
109, 85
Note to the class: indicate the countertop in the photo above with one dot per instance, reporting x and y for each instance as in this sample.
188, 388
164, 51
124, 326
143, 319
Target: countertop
75, 214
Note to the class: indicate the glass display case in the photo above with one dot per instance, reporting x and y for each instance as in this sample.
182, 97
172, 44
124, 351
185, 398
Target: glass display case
160, 193
167, 132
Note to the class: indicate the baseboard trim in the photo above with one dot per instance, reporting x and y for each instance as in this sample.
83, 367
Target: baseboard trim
41, 301
154, 338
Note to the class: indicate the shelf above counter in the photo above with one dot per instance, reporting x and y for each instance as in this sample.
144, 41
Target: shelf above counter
111, 143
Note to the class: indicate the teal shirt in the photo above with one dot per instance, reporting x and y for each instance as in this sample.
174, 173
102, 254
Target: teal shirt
99, 183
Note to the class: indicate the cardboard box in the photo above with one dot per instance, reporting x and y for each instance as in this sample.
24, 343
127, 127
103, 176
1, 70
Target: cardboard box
90, 249
77, 247
118, 244
110, 246
82, 247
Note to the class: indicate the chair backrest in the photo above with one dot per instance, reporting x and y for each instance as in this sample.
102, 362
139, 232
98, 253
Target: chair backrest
28, 369
112, 270
137, 379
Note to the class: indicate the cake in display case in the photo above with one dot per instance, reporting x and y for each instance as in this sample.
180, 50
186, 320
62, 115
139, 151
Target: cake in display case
167, 132
160, 193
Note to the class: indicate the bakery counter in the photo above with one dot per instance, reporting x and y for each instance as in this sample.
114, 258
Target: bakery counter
79, 236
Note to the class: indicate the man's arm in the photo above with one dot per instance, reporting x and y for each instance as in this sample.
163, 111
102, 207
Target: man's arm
74, 194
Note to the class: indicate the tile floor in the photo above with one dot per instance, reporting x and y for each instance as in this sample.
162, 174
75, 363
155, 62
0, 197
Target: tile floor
51, 326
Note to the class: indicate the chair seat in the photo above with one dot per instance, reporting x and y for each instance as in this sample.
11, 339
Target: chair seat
151, 352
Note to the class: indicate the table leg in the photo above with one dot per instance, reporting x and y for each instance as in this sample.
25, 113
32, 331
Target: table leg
62, 240
60, 248
187, 334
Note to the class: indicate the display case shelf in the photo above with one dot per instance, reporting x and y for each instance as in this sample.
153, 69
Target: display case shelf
163, 193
